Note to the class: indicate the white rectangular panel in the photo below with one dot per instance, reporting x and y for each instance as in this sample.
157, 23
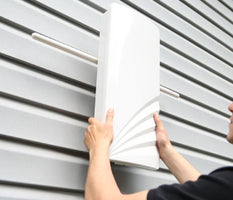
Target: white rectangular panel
128, 81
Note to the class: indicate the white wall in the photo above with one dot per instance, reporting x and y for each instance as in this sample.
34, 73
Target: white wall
46, 94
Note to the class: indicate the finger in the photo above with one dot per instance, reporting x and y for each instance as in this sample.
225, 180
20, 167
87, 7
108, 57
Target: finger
88, 133
86, 139
91, 120
109, 116
85, 134
157, 121
89, 129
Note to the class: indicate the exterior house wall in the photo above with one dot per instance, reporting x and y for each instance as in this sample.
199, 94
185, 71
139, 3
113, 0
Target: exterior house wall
47, 95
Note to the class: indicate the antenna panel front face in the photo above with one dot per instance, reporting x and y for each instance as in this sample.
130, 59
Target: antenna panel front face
128, 81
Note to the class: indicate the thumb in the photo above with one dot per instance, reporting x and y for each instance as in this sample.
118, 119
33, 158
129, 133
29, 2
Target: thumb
157, 121
109, 116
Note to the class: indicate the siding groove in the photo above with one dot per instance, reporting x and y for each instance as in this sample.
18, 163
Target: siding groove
29, 66
194, 19
227, 4
41, 125
94, 5
24, 191
220, 9
80, 71
210, 15
191, 136
182, 65
43, 122
195, 93
202, 63
42, 22
179, 44
195, 36
45, 91
78, 11
16, 26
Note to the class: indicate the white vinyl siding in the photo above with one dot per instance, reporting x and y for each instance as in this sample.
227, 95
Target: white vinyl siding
47, 95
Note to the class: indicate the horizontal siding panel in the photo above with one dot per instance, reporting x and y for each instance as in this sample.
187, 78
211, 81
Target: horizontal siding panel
39, 125
94, 69
37, 128
44, 90
200, 21
57, 96
193, 91
47, 24
221, 9
131, 179
19, 192
197, 138
194, 71
194, 113
203, 163
76, 10
228, 3
185, 46
37, 170
198, 55
52, 171
45, 57
41, 145
212, 15
193, 33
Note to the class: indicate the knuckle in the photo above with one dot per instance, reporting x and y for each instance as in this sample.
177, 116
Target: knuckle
89, 128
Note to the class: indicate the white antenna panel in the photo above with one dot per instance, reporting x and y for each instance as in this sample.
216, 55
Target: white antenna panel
128, 81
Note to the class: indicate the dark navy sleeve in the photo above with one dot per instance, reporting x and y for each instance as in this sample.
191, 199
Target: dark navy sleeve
216, 186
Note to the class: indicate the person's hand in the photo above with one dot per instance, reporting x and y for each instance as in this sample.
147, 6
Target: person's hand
162, 140
99, 135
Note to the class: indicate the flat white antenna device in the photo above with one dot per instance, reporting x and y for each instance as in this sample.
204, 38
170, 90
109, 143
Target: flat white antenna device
128, 80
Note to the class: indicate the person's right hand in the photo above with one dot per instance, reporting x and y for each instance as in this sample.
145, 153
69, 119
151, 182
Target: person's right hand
99, 135
162, 140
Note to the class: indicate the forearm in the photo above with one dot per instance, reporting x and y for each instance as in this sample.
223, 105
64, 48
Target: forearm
179, 166
100, 183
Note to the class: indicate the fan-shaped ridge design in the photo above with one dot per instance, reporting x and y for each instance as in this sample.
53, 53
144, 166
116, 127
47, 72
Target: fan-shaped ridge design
139, 132
142, 115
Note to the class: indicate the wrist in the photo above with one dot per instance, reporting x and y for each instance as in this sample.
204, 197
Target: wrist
101, 148
166, 151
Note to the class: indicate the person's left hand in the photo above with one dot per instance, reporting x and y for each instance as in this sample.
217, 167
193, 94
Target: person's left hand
98, 134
